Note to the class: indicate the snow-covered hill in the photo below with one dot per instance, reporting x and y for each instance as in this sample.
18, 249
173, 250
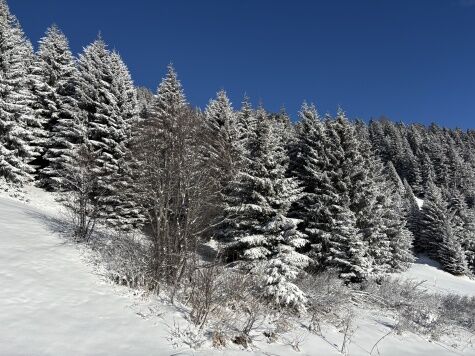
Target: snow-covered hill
52, 302
434, 279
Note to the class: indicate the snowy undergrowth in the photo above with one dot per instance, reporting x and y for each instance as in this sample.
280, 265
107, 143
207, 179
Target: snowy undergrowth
60, 292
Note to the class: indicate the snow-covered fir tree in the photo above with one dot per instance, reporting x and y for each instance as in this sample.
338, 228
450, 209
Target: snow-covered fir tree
58, 107
463, 228
309, 165
257, 227
145, 98
342, 195
438, 232
395, 179
432, 222
246, 125
39, 92
347, 247
397, 232
18, 123
450, 253
223, 151
382, 211
108, 99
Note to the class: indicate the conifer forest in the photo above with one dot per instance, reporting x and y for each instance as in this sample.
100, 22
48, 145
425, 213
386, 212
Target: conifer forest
200, 203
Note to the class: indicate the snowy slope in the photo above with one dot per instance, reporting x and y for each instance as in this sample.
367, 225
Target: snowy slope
428, 271
53, 303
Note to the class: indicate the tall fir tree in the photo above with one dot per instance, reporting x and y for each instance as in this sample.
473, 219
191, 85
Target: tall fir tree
309, 164
223, 152
246, 125
58, 106
345, 194
450, 253
463, 228
108, 99
437, 235
257, 227
348, 249
18, 122
432, 221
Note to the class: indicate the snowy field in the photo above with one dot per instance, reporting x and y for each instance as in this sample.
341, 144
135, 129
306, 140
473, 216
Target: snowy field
53, 302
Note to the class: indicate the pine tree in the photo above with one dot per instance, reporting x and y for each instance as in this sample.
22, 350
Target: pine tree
372, 205
463, 228
397, 232
340, 193
386, 214
395, 179
39, 102
145, 99
246, 125
284, 127
107, 96
347, 247
428, 174
57, 106
412, 213
450, 252
308, 164
432, 222
351, 183
17, 140
258, 228
223, 153
437, 236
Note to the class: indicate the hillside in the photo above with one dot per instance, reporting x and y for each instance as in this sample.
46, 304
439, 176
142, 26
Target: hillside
54, 302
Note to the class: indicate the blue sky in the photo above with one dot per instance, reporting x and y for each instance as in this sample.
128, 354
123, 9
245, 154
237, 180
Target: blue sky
411, 60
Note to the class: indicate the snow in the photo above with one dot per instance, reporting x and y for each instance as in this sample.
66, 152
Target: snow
419, 202
435, 280
53, 302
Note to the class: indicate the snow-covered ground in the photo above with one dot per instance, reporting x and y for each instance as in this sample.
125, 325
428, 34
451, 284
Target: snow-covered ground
434, 279
52, 302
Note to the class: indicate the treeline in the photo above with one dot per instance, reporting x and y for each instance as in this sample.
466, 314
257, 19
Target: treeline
439, 165
281, 198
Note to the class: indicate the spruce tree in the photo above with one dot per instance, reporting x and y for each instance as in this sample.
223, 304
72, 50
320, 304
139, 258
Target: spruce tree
257, 226
58, 106
412, 213
463, 227
223, 153
17, 138
395, 179
433, 221
450, 253
438, 233
341, 194
246, 125
308, 164
108, 99
397, 232
348, 249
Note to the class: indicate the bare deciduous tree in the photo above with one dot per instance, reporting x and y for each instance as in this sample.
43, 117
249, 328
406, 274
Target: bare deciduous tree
81, 194
171, 187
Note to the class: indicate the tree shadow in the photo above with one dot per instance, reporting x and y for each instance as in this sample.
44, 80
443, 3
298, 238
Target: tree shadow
56, 225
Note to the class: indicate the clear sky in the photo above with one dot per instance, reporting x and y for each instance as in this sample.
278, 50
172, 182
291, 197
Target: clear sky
411, 60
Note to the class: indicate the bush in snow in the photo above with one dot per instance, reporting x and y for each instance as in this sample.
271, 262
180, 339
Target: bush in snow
328, 298
418, 311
